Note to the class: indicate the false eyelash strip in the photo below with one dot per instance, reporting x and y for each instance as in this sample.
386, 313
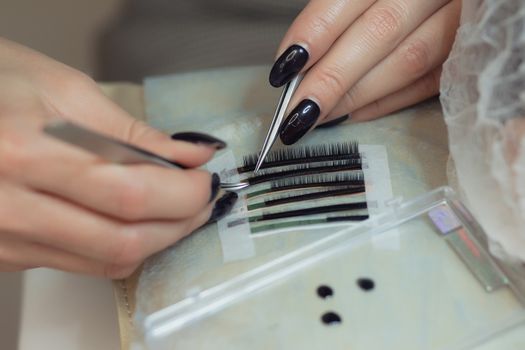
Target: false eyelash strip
347, 179
308, 211
306, 197
320, 180
328, 201
288, 224
302, 155
307, 169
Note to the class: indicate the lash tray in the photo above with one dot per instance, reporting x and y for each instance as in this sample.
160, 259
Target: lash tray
416, 275
441, 290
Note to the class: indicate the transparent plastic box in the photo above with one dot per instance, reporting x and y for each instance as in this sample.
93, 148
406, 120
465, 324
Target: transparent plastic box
435, 287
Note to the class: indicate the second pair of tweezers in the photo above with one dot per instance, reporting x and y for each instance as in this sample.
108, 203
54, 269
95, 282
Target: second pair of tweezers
116, 150
120, 152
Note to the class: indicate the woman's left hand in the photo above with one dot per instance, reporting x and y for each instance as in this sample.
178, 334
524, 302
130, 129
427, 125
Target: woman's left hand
365, 58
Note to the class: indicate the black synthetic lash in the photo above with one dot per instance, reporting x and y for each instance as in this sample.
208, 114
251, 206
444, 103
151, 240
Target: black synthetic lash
347, 218
307, 169
320, 180
309, 211
311, 174
346, 179
306, 222
307, 196
302, 155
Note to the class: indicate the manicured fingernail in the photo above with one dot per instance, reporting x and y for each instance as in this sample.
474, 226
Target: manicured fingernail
223, 206
199, 139
334, 122
299, 121
215, 186
288, 65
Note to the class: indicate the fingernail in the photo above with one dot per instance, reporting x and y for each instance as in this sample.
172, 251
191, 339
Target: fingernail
288, 65
199, 139
334, 122
223, 206
299, 121
215, 186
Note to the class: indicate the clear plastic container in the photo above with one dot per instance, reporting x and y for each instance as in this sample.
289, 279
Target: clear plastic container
434, 287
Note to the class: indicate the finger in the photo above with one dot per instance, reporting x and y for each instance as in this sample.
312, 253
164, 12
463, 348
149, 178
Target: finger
17, 255
59, 224
96, 111
421, 52
50, 221
420, 90
67, 93
6, 267
312, 33
11, 268
136, 192
368, 41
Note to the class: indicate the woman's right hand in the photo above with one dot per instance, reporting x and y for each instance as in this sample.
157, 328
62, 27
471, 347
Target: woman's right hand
364, 59
64, 208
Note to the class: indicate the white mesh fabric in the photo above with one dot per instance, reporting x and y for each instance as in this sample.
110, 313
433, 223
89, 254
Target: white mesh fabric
483, 98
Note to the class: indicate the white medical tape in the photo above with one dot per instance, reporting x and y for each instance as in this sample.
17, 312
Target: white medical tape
378, 190
234, 231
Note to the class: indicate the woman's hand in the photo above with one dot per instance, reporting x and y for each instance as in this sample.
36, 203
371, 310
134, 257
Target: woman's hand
365, 58
64, 208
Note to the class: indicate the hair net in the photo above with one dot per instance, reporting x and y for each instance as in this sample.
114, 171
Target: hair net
483, 98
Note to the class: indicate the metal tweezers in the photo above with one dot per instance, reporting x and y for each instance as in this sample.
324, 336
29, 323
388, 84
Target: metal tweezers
124, 153
282, 106
115, 150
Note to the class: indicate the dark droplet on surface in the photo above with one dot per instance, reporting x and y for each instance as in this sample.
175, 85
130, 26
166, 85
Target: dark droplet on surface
331, 318
325, 291
288, 65
366, 284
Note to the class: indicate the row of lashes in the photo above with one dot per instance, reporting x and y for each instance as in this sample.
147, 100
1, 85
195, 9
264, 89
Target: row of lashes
305, 169
306, 175
303, 155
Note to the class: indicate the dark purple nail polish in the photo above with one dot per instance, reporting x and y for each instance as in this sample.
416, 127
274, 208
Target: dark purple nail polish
288, 65
334, 122
215, 186
299, 121
223, 206
199, 139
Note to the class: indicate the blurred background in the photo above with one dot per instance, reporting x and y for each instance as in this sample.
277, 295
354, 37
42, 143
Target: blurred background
67, 30
127, 40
